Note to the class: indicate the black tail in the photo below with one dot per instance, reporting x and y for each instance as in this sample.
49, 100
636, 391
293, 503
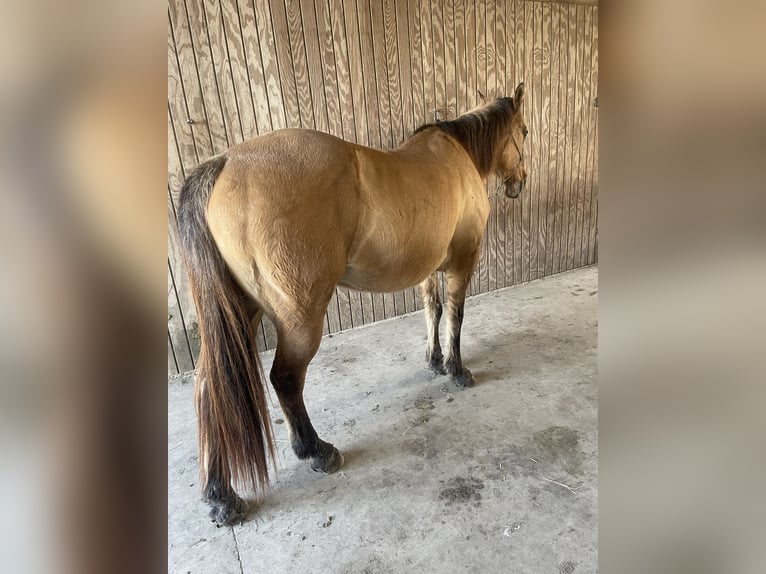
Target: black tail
233, 421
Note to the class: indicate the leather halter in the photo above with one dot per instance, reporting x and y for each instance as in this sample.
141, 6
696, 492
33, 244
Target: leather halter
507, 177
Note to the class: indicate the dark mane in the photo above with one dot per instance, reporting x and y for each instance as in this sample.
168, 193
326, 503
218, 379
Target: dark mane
483, 133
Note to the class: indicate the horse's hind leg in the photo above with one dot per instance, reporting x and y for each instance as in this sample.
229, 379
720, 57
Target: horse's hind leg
296, 346
433, 307
458, 277
226, 507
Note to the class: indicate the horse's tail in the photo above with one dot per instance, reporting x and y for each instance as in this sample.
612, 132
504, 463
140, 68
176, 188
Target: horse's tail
235, 436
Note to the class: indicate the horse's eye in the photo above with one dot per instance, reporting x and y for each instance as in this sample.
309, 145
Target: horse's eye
525, 131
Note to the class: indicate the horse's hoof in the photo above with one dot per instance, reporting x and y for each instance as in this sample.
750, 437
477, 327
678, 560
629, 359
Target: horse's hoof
228, 512
437, 366
328, 464
463, 379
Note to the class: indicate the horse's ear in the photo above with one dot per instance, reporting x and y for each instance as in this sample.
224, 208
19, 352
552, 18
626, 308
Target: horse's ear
518, 96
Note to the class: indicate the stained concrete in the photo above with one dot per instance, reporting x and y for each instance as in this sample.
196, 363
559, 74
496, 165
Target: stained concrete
501, 477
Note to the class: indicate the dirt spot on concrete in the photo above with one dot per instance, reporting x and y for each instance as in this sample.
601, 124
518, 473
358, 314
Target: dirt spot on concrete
424, 404
462, 490
421, 447
567, 567
561, 445
374, 565
327, 522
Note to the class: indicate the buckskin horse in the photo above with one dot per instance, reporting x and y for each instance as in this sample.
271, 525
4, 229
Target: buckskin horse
272, 225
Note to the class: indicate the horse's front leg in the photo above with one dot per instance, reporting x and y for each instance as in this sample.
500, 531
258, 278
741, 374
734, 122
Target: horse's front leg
458, 278
433, 307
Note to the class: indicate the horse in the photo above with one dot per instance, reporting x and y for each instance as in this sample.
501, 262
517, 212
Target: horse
273, 224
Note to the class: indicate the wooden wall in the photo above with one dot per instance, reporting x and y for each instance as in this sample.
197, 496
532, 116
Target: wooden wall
371, 71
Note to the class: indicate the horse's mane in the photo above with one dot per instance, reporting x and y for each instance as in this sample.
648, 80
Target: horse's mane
483, 133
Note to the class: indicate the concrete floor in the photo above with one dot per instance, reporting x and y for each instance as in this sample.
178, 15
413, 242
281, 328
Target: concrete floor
501, 477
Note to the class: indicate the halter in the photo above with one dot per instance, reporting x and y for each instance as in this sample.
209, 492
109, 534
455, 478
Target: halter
507, 177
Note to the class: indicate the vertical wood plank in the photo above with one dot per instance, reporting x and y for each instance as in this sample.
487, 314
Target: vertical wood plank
247, 67
241, 70
222, 70
582, 131
346, 112
563, 133
329, 68
440, 74
572, 152
178, 110
556, 143
205, 69
534, 11
526, 199
450, 64
269, 62
393, 72
300, 63
368, 73
377, 23
284, 51
546, 211
314, 63
426, 30
511, 83
460, 57
190, 81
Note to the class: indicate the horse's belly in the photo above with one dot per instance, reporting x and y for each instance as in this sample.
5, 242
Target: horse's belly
390, 274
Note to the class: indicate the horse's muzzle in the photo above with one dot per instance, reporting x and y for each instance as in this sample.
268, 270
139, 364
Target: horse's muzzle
513, 190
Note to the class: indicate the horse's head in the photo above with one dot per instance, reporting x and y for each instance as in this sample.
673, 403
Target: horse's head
510, 166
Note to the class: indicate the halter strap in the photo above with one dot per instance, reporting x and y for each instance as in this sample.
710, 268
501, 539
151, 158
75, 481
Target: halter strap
518, 163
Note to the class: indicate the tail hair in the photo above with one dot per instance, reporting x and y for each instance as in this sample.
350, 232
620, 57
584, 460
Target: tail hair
234, 431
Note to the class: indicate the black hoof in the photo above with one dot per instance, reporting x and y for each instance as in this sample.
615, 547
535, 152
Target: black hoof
436, 363
228, 512
437, 366
328, 463
463, 379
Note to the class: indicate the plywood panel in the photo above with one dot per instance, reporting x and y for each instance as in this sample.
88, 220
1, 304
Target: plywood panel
372, 71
